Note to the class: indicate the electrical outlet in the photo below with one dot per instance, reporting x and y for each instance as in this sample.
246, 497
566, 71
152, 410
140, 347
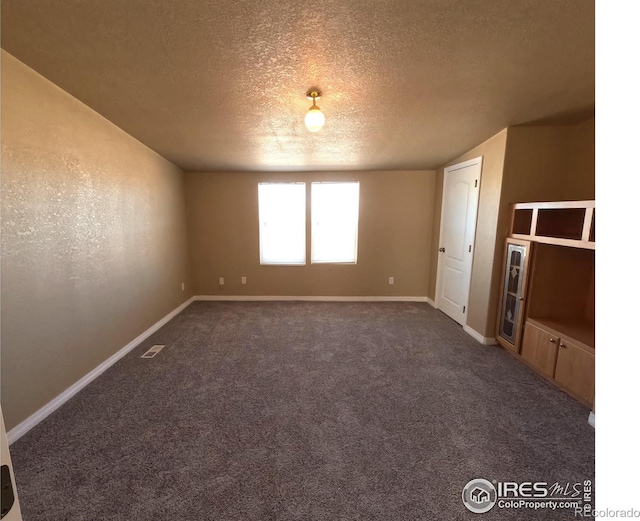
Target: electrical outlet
183, 286
244, 280
391, 280
221, 281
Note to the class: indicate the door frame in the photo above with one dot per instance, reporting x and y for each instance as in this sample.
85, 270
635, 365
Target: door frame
447, 170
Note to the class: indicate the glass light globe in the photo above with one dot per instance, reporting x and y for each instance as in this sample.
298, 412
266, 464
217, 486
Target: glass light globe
314, 120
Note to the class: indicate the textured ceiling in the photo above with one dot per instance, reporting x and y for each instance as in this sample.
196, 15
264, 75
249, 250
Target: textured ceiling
220, 85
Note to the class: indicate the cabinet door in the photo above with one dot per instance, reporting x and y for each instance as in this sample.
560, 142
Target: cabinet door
575, 370
513, 288
540, 349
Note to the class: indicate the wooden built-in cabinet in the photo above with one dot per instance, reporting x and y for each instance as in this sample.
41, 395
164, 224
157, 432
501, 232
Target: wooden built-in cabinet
540, 349
570, 363
575, 370
554, 329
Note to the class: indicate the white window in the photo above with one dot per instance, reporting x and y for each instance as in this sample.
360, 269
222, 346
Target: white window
334, 222
282, 213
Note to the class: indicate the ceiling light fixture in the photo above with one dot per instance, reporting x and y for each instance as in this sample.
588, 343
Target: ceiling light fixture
314, 120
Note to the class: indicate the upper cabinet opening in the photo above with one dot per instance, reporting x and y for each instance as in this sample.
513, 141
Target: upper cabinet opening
566, 223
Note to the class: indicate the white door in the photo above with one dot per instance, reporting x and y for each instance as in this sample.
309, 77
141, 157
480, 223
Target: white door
461, 188
9, 502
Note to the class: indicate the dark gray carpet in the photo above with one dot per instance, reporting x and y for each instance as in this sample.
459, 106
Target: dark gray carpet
302, 411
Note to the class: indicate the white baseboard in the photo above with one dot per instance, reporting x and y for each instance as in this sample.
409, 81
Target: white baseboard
33, 420
309, 298
487, 341
431, 303
592, 419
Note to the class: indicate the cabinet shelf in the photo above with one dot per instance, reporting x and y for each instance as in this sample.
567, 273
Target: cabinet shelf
565, 223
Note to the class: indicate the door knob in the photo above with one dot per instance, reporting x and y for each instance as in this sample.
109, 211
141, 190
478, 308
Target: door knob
441, 249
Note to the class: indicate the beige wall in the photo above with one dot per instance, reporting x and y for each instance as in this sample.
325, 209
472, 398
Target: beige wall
582, 160
93, 240
396, 211
483, 286
552, 163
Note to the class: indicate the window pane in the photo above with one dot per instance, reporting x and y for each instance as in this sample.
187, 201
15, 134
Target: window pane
334, 222
282, 213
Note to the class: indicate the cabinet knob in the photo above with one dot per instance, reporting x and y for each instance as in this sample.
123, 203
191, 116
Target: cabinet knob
552, 340
562, 345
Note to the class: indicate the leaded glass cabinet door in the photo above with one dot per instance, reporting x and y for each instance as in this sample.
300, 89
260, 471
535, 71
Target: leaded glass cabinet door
513, 291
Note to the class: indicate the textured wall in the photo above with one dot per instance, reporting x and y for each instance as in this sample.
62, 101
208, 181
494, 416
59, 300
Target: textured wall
396, 211
93, 240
